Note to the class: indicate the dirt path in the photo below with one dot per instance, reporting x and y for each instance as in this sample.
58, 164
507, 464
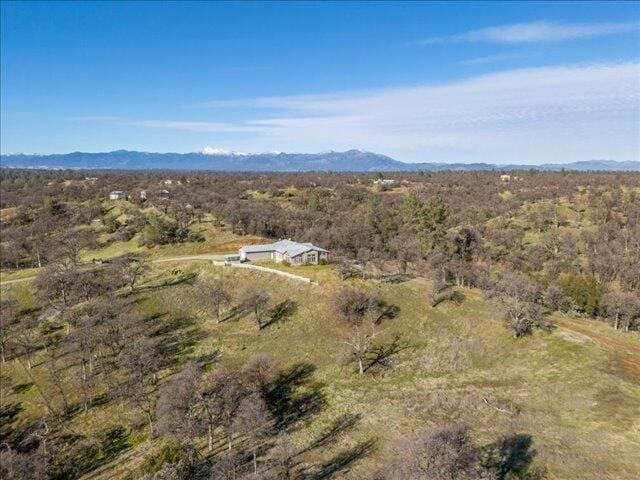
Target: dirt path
17, 280
628, 352
204, 256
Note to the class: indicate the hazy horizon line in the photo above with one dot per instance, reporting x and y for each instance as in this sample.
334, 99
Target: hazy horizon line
247, 154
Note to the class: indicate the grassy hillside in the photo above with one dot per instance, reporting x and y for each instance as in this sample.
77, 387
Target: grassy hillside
571, 397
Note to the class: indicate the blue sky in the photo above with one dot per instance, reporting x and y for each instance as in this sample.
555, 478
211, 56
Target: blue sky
500, 82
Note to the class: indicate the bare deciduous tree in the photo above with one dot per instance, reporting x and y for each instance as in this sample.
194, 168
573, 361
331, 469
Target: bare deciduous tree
178, 410
218, 296
362, 313
130, 267
260, 370
253, 420
445, 453
257, 301
622, 309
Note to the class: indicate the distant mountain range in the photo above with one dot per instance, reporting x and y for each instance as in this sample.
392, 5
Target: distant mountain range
221, 160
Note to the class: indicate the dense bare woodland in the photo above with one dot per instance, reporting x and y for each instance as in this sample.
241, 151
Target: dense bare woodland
580, 229
83, 340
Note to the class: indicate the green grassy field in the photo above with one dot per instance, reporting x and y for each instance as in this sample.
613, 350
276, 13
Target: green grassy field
575, 396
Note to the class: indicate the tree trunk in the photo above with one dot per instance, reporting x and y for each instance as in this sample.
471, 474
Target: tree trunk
360, 366
210, 437
150, 418
615, 326
255, 462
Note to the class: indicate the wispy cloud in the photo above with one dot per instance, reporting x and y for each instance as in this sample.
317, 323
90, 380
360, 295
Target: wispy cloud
540, 31
177, 125
207, 127
500, 57
524, 115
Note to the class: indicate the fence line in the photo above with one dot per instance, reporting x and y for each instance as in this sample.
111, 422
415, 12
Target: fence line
268, 270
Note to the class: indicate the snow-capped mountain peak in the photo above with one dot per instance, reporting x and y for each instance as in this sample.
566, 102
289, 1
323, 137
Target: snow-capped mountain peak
220, 151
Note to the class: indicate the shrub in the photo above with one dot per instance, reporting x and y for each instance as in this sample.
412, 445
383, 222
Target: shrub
585, 291
521, 319
168, 453
111, 224
124, 234
158, 231
434, 454
555, 299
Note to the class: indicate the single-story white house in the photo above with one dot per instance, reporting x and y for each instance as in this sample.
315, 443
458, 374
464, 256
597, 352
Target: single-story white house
285, 251
385, 182
117, 195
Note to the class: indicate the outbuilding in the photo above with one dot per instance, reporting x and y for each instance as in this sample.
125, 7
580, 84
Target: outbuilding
117, 195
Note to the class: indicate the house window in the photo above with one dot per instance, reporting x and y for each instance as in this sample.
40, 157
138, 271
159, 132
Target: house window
311, 257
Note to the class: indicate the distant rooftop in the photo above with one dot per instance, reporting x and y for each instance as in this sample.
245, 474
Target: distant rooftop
289, 247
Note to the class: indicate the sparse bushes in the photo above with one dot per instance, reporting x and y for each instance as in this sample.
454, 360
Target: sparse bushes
124, 234
443, 292
523, 311
522, 318
555, 300
445, 453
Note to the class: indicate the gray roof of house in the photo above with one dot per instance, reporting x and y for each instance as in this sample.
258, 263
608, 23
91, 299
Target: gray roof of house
289, 247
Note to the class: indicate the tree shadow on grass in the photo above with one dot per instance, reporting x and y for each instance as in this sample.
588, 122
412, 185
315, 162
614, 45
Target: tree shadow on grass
93, 454
381, 355
234, 313
387, 312
294, 397
8, 414
207, 359
188, 278
178, 334
341, 461
511, 457
22, 388
281, 311
338, 427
